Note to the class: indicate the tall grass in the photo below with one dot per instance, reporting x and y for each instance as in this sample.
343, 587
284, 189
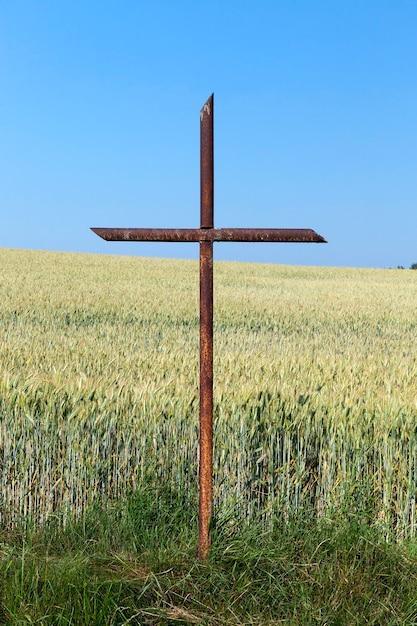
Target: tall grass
315, 395
134, 563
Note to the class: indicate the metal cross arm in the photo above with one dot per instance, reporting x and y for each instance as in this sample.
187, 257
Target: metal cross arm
295, 235
205, 236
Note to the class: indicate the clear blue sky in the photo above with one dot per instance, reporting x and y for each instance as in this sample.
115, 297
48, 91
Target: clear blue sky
315, 124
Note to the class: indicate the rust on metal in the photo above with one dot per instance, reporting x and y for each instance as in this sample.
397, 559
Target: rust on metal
206, 398
290, 235
205, 471
207, 164
205, 236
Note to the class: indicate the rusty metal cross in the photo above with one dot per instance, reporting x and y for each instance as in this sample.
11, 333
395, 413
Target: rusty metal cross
206, 235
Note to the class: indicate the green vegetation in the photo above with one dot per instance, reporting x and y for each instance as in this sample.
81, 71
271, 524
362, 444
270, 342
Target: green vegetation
315, 443
134, 563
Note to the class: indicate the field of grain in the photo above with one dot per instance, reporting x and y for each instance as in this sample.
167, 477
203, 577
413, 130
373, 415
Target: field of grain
315, 385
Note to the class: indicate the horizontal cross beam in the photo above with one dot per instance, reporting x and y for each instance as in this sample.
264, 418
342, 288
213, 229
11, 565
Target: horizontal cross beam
290, 235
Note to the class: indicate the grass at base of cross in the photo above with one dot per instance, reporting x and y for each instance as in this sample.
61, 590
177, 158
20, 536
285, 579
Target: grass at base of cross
135, 563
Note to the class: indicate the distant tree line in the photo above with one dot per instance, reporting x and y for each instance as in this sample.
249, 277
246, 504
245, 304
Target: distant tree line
413, 266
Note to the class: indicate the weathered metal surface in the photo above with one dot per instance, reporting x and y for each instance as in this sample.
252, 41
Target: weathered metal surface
206, 235
206, 397
205, 471
290, 235
207, 164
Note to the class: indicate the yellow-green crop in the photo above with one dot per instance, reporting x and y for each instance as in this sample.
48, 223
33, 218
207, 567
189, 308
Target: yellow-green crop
315, 384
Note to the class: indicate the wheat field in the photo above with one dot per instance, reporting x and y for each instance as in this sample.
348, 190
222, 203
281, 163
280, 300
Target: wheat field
315, 385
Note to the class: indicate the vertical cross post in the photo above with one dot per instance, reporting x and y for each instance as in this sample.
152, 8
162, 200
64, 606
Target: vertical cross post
206, 329
205, 236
